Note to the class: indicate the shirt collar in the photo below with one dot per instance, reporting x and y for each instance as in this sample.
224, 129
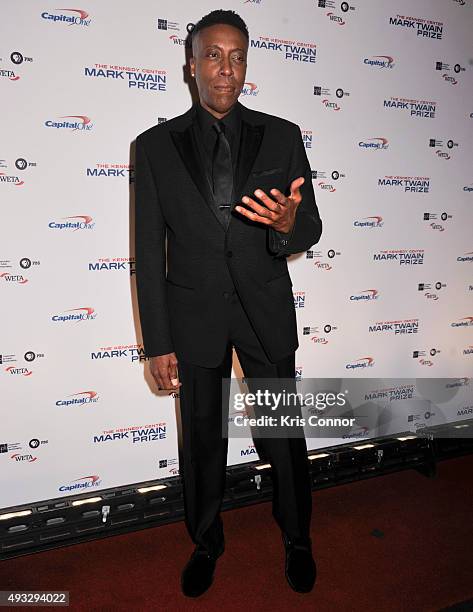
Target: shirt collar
231, 121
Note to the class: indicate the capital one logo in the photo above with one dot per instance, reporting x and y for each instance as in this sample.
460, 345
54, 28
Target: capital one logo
78, 17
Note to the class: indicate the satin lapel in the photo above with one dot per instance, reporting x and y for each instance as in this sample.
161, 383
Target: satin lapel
250, 143
188, 150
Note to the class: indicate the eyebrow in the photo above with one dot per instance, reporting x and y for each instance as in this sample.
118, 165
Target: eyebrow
218, 47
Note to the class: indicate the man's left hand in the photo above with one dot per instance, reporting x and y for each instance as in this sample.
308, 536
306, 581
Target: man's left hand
279, 213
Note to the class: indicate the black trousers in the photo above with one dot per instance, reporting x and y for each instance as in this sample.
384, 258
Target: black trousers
204, 451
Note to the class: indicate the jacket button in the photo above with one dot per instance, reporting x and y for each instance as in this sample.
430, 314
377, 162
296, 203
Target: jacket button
229, 254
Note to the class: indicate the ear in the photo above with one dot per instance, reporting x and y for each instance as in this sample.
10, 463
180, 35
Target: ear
192, 66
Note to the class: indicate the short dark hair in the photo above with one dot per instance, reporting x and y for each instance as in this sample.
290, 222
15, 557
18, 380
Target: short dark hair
218, 17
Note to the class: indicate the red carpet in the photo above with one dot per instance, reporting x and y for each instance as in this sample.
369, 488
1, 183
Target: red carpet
420, 558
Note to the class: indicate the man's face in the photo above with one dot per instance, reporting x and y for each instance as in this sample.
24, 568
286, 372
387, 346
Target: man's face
219, 66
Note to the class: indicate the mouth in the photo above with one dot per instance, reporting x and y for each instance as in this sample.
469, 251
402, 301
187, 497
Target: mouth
224, 88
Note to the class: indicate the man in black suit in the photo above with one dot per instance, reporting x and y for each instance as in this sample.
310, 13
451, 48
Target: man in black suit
231, 190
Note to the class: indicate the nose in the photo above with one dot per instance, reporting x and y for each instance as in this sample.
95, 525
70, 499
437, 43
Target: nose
226, 68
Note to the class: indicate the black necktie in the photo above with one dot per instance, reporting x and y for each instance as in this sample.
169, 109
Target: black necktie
222, 172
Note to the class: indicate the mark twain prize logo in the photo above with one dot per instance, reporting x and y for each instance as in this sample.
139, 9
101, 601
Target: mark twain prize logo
446, 69
15, 58
379, 61
396, 328
391, 394
149, 79
250, 89
113, 264
468, 350
80, 484
412, 184
425, 28
319, 261
79, 399
339, 20
68, 16
249, 451
369, 222
112, 171
439, 146
408, 257
290, 49
132, 352
307, 138
433, 222
73, 223
431, 290
374, 144
465, 411
367, 295
415, 108
75, 315
325, 93
82, 123
299, 299
133, 434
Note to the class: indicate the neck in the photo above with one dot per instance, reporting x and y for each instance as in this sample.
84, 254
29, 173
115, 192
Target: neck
215, 113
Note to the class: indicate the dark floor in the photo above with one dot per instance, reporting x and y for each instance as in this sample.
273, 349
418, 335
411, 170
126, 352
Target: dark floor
397, 542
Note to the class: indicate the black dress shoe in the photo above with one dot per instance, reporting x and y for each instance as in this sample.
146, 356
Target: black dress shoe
197, 575
300, 565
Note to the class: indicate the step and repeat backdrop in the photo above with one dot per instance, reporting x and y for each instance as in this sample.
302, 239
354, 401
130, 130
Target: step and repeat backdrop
383, 94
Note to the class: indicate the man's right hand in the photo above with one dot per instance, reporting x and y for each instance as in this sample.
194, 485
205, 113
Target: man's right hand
164, 371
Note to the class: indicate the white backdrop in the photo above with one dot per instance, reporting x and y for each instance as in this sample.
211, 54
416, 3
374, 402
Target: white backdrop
383, 92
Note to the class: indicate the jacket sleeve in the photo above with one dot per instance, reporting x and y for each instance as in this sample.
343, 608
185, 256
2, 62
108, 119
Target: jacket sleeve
307, 227
150, 253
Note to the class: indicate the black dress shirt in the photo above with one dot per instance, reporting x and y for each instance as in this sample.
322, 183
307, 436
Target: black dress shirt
232, 123
208, 138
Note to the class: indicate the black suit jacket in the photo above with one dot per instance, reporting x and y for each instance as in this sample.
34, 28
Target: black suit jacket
181, 288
